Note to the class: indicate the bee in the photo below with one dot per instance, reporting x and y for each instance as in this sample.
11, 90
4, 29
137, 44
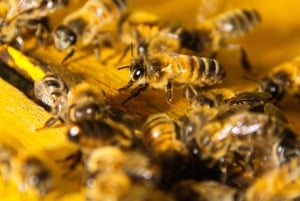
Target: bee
243, 144
89, 134
7, 158
23, 16
204, 190
82, 102
136, 164
49, 89
281, 183
163, 70
35, 174
85, 26
216, 33
160, 136
282, 79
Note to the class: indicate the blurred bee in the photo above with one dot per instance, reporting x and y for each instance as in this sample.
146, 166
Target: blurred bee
281, 183
23, 16
243, 144
204, 190
163, 70
50, 89
34, 174
138, 165
282, 79
160, 136
85, 26
7, 158
216, 33
82, 102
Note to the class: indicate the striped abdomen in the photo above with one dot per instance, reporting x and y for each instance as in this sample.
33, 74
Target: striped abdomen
160, 135
199, 71
237, 22
94, 133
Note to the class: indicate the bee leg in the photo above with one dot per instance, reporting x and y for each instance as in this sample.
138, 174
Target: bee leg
69, 55
124, 54
50, 122
75, 159
169, 92
19, 42
97, 47
136, 92
244, 59
127, 86
190, 92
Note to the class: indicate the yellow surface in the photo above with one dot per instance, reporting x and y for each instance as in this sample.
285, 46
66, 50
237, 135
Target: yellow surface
275, 41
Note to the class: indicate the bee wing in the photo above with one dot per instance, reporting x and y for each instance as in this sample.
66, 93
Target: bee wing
209, 8
18, 7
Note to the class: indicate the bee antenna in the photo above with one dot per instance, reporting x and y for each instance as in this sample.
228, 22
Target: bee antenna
250, 79
123, 67
131, 48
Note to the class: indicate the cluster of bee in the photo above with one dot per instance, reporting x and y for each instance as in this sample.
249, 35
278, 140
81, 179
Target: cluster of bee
227, 146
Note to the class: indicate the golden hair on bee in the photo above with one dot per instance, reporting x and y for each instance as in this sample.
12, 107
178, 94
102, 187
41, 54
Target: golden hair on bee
163, 70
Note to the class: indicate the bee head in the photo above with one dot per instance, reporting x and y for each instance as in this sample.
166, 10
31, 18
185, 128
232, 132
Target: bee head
52, 4
137, 69
269, 86
64, 37
88, 111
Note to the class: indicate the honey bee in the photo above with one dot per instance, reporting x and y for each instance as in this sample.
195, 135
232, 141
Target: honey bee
243, 144
23, 16
7, 155
163, 70
89, 134
85, 26
82, 102
282, 79
34, 174
49, 89
136, 164
126, 169
204, 190
281, 183
160, 136
216, 33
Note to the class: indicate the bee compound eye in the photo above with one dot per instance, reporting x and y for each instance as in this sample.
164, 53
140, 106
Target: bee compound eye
74, 133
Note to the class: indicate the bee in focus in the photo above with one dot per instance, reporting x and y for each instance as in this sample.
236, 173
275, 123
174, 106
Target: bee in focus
84, 27
243, 144
34, 174
162, 71
281, 183
213, 34
160, 136
50, 89
204, 190
23, 16
283, 79
82, 102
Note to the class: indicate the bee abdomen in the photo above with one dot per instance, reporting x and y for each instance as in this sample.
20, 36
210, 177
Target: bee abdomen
205, 71
160, 135
238, 22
